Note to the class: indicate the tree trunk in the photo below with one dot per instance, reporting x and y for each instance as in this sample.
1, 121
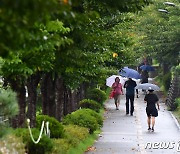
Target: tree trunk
74, 103
165, 68
45, 102
65, 104
48, 95
22, 106
32, 84
59, 91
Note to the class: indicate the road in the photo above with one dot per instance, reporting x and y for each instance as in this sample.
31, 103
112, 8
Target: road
125, 134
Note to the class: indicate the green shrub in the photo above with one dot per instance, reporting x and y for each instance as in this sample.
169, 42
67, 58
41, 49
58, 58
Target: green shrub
44, 146
8, 103
97, 95
4, 129
91, 104
82, 118
96, 115
177, 102
56, 128
61, 146
75, 134
12, 144
166, 80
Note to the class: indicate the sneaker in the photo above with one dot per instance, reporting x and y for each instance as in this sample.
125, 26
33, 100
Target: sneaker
117, 108
152, 129
149, 128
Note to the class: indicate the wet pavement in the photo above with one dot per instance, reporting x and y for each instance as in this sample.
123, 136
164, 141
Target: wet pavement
125, 134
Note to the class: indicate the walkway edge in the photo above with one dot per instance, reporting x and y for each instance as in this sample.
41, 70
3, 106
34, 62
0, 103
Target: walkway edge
175, 120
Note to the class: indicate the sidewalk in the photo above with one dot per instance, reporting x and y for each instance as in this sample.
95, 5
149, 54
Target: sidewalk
125, 134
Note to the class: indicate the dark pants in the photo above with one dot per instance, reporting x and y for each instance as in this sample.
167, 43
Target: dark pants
131, 98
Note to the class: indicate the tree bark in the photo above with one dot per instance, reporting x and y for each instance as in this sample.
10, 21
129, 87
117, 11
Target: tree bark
22, 106
59, 92
48, 95
32, 84
45, 105
165, 68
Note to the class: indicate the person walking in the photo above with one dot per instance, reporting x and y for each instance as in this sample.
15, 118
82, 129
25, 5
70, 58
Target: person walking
151, 99
118, 91
130, 92
144, 78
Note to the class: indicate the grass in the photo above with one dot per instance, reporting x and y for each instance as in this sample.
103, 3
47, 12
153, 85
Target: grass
177, 111
83, 146
177, 114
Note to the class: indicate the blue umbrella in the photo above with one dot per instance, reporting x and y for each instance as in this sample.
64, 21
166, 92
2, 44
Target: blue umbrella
147, 68
129, 73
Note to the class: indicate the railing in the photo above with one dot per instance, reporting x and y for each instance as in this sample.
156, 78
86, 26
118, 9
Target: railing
173, 93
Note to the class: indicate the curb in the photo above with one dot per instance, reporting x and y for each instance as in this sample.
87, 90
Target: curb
175, 120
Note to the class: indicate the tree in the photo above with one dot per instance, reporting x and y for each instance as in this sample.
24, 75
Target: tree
60, 60
159, 40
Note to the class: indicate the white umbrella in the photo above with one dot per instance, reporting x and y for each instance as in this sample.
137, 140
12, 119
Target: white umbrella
110, 80
148, 86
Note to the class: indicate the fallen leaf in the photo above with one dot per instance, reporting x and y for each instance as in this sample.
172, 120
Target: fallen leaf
91, 149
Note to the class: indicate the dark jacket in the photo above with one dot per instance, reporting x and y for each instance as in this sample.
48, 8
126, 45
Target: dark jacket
130, 87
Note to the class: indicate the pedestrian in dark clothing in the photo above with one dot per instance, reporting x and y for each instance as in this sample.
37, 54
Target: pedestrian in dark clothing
130, 92
144, 76
151, 109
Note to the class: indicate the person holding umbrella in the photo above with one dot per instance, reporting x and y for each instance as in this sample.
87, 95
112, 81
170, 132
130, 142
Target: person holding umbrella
151, 110
118, 91
144, 76
130, 92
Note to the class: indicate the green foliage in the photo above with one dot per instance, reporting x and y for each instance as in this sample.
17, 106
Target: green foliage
84, 118
61, 146
12, 144
91, 104
160, 39
107, 6
177, 102
75, 134
97, 95
177, 69
166, 80
44, 146
8, 103
56, 128
4, 130
96, 115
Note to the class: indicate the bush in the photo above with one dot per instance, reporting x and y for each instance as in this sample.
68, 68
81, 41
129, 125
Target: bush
82, 118
12, 144
166, 81
75, 134
4, 130
97, 95
96, 115
8, 103
44, 146
177, 102
91, 104
61, 146
56, 128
